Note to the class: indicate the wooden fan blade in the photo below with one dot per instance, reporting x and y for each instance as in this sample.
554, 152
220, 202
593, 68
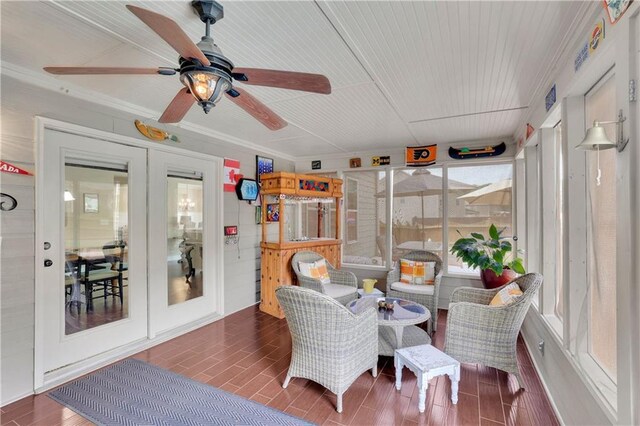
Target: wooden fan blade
171, 33
257, 110
107, 70
178, 107
315, 83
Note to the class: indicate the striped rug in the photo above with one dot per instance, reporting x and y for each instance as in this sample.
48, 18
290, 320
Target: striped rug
133, 392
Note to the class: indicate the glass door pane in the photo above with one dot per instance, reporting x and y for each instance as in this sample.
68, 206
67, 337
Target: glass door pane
185, 246
95, 240
184, 238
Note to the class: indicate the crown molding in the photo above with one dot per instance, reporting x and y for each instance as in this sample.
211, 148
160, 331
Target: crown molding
52, 84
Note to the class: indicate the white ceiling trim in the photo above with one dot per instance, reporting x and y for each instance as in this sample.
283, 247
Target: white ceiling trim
50, 83
351, 45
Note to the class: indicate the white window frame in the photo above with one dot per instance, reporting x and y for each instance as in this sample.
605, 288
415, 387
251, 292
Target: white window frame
596, 374
445, 209
347, 210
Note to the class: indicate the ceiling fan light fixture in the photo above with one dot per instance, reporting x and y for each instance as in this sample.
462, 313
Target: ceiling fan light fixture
206, 86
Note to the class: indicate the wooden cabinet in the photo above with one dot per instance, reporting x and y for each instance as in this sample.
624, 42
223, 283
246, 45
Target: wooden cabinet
276, 255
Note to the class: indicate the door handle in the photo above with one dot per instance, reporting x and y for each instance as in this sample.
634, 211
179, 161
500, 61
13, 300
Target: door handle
48, 262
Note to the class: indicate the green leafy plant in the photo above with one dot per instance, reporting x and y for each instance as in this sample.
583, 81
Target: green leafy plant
487, 253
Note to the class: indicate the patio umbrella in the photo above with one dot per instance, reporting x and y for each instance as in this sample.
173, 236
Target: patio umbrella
423, 183
497, 193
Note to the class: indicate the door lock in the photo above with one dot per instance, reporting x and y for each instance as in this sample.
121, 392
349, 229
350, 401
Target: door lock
48, 262
47, 245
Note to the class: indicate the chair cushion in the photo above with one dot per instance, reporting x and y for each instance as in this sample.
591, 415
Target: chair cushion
413, 288
416, 272
317, 270
338, 290
507, 295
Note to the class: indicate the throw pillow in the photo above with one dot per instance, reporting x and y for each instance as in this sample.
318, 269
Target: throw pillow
507, 295
321, 271
406, 271
305, 268
424, 273
317, 270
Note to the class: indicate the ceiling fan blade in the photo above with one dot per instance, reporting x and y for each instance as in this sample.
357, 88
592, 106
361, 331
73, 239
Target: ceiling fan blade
178, 107
306, 82
171, 33
108, 70
257, 109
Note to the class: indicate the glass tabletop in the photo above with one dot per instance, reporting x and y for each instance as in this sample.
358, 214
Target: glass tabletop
404, 311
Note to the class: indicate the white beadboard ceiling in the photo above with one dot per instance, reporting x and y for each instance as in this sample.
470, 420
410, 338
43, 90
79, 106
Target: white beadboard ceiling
402, 73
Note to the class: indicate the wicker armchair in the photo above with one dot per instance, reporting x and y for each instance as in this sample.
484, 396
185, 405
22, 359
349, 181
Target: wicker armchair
331, 345
478, 333
428, 300
343, 287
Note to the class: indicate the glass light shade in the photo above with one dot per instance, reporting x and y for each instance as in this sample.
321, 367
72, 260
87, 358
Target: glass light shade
205, 86
596, 139
68, 196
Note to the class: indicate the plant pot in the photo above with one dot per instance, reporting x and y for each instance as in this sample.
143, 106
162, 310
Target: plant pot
491, 280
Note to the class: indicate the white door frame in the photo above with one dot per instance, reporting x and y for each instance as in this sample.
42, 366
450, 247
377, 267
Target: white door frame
163, 316
64, 374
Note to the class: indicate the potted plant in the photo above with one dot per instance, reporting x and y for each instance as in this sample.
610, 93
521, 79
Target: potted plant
491, 255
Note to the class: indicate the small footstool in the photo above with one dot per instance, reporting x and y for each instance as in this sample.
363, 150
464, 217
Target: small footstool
427, 362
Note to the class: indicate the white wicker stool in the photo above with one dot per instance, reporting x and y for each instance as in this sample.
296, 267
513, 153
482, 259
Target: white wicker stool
427, 362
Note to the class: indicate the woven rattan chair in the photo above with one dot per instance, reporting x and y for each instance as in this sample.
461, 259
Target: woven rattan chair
428, 300
343, 287
331, 345
482, 334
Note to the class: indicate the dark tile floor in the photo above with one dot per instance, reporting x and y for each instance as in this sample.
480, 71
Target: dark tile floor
248, 353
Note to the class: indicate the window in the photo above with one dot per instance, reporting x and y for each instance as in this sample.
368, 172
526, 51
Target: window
417, 210
478, 196
365, 218
352, 211
559, 231
600, 104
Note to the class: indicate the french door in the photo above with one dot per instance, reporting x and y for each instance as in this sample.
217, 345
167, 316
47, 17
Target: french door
93, 282
185, 281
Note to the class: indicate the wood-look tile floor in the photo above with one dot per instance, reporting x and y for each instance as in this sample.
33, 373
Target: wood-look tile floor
248, 354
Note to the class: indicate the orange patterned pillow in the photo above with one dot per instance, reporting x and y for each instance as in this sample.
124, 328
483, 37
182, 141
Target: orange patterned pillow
424, 273
407, 270
317, 270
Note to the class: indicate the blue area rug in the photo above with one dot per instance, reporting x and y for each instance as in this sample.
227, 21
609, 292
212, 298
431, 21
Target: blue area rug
133, 392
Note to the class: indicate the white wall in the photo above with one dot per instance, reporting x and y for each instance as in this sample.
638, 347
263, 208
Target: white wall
20, 103
574, 394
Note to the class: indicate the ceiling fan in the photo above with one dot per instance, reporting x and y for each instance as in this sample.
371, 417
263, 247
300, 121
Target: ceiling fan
206, 72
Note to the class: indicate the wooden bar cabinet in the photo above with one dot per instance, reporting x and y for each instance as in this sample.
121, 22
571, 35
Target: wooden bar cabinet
299, 212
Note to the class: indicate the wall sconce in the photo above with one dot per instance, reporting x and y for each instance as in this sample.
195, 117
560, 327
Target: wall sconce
596, 138
68, 196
